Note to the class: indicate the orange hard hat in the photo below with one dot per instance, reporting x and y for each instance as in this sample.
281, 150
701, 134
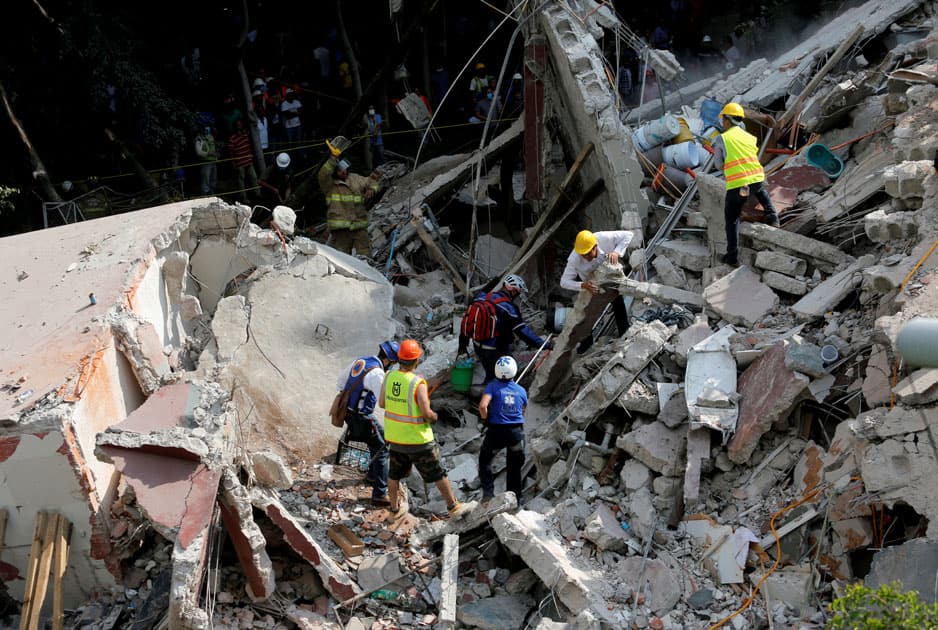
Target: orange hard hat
409, 350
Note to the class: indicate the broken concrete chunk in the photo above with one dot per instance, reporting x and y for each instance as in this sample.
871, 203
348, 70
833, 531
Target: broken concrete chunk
674, 412
658, 447
785, 284
914, 563
604, 530
659, 292
639, 397
376, 571
808, 473
804, 357
854, 533
668, 272
781, 263
690, 254
919, 388
877, 384
741, 298
816, 251
634, 475
661, 583
792, 585
246, 537
271, 470
828, 294
643, 517
881, 227
906, 180
494, 613
285, 219
769, 390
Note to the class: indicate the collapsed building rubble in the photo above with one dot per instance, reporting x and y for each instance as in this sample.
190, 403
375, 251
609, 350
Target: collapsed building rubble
755, 430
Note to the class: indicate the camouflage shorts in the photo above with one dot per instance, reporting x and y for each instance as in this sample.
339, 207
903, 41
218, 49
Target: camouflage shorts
427, 462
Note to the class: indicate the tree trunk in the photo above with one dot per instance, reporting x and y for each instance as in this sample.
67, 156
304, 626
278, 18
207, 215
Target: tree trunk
250, 116
356, 78
40, 175
142, 173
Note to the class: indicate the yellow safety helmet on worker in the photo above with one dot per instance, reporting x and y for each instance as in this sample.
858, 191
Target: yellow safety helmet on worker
733, 109
585, 242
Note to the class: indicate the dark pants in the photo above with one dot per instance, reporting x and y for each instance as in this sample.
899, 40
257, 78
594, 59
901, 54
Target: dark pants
732, 209
370, 431
377, 155
488, 358
497, 437
621, 315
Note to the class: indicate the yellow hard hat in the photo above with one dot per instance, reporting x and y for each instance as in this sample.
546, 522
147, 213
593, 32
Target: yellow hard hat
733, 109
585, 241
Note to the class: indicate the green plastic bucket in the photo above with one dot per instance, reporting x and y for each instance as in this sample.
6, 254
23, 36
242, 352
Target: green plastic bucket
461, 376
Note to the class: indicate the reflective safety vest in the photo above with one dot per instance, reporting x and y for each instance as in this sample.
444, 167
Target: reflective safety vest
741, 166
403, 423
345, 198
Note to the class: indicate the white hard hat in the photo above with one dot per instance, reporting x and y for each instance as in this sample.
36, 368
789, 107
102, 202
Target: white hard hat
343, 165
258, 82
283, 160
517, 77
706, 39
505, 368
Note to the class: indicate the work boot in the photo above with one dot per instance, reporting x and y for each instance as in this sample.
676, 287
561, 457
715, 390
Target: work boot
772, 220
459, 510
732, 261
381, 501
486, 498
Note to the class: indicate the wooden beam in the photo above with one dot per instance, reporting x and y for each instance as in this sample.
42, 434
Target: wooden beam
449, 581
32, 568
437, 253
42, 571
588, 197
559, 196
59, 565
815, 81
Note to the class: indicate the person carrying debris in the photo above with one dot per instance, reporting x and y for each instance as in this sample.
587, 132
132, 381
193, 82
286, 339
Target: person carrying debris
492, 321
346, 195
736, 151
405, 399
363, 379
589, 251
502, 407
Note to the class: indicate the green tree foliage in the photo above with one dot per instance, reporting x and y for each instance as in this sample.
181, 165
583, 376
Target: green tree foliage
885, 608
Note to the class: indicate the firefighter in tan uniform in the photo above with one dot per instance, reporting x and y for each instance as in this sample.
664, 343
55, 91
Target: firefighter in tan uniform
346, 195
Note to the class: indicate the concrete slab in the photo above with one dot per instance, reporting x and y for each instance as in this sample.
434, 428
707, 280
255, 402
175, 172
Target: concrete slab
740, 297
769, 390
711, 369
781, 263
339, 584
913, 563
529, 535
825, 296
658, 447
246, 537
177, 496
918, 388
823, 255
689, 254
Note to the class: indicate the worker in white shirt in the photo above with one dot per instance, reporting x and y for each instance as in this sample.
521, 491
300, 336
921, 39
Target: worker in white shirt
589, 251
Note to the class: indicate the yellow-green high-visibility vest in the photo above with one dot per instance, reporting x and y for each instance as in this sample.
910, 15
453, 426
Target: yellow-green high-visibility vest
403, 422
741, 166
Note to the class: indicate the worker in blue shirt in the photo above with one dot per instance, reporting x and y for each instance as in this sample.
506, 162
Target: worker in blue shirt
502, 407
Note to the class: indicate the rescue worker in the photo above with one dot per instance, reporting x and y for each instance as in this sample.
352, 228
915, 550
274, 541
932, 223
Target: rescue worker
346, 195
276, 182
502, 407
589, 251
405, 398
508, 325
364, 377
736, 152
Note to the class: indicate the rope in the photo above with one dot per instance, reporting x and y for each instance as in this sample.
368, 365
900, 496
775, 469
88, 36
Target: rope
778, 557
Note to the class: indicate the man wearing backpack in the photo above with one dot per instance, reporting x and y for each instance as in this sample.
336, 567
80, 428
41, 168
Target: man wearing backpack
363, 379
492, 340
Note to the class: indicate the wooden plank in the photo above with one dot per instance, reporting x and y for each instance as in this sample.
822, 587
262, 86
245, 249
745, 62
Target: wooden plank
42, 571
32, 568
835, 58
59, 565
3, 528
560, 195
588, 197
437, 253
449, 579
